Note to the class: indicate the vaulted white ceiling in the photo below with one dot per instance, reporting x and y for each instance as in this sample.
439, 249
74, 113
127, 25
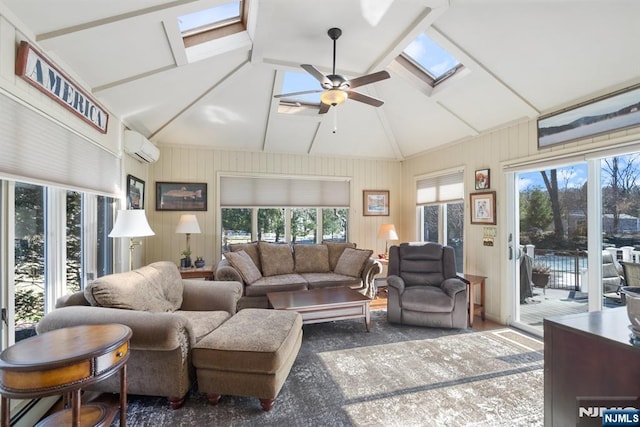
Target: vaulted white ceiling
522, 58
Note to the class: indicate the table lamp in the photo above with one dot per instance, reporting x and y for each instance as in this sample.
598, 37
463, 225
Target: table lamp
131, 223
188, 225
387, 232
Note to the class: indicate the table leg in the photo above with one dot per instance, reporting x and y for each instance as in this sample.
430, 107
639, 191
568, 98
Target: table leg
4, 408
75, 408
471, 304
484, 307
367, 317
123, 395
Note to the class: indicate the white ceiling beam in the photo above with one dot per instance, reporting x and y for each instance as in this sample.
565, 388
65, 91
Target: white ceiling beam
111, 19
176, 44
419, 25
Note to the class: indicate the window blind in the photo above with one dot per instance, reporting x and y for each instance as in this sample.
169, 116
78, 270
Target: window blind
442, 188
261, 191
36, 148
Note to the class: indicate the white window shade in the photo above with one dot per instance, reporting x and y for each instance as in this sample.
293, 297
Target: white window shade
441, 188
36, 148
242, 191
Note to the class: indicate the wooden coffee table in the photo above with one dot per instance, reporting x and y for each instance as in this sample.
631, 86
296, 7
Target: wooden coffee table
324, 305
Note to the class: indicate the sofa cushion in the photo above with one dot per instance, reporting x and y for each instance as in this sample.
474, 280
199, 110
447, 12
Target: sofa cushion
330, 280
352, 261
335, 250
242, 262
276, 258
156, 287
311, 258
204, 322
251, 249
282, 282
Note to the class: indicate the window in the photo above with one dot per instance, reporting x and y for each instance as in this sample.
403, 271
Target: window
294, 225
335, 224
283, 209
49, 221
213, 23
304, 224
428, 60
441, 210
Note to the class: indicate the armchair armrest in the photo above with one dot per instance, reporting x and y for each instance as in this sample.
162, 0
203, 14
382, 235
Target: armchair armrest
151, 331
203, 295
396, 282
225, 272
452, 286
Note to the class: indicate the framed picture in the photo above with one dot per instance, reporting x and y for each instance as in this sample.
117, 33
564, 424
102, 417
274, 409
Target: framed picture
375, 202
135, 193
181, 196
483, 208
482, 179
619, 110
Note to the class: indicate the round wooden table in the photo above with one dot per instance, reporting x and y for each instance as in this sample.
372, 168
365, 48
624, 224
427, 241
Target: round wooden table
64, 361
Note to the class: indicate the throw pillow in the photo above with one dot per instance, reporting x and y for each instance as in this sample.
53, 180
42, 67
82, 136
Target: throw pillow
250, 248
352, 261
242, 262
156, 287
276, 258
311, 258
335, 250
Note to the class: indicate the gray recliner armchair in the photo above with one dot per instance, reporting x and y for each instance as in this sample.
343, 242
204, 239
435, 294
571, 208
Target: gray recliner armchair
423, 287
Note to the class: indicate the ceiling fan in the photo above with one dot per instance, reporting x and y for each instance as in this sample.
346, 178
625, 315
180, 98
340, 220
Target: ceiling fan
337, 88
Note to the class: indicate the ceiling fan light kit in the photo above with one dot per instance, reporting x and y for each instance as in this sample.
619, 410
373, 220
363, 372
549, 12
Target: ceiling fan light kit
337, 88
333, 97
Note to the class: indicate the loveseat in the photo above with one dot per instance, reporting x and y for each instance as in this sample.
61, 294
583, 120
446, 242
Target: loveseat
167, 315
264, 267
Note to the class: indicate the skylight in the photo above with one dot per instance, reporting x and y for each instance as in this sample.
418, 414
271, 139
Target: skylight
299, 82
209, 18
210, 24
429, 57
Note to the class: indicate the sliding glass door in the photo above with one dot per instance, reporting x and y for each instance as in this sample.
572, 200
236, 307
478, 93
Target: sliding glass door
576, 223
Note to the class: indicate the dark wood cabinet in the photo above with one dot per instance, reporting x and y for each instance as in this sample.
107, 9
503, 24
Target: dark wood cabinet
587, 356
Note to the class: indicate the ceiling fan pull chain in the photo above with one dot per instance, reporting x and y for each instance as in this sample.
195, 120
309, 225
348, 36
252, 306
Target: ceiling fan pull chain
335, 119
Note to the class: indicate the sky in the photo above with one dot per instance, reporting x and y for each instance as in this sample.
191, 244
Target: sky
568, 177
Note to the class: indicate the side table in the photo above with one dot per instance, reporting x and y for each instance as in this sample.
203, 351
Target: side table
64, 361
472, 280
205, 273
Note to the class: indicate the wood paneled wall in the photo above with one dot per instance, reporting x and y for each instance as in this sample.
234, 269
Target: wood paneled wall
203, 165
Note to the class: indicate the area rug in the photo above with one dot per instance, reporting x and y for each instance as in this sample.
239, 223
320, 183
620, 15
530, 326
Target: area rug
393, 376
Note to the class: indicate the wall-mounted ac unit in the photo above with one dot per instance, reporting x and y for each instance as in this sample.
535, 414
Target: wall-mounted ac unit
139, 147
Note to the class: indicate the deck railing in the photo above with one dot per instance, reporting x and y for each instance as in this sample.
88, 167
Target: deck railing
566, 267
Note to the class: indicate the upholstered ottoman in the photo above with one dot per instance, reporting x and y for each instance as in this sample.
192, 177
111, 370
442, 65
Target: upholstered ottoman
250, 355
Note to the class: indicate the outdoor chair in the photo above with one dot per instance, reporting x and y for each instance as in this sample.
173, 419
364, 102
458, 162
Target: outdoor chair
631, 274
612, 277
423, 287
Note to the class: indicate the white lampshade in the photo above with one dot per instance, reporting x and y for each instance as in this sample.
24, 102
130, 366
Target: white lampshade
387, 232
131, 223
188, 224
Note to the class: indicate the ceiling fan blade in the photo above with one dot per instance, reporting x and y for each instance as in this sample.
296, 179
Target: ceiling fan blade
364, 98
324, 81
369, 78
323, 108
282, 95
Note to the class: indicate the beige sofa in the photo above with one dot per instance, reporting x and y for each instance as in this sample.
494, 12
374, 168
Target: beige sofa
168, 316
264, 267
